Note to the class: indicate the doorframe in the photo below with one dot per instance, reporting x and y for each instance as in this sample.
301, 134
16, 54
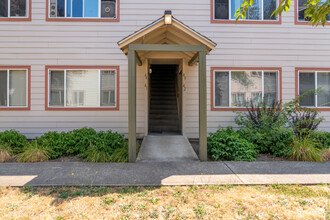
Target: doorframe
132, 60
158, 61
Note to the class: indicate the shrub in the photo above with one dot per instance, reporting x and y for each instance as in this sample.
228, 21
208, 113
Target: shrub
5, 154
303, 120
226, 144
56, 143
274, 141
14, 140
261, 116
322, 139
302, 149
80, 139
106, 147
33, 152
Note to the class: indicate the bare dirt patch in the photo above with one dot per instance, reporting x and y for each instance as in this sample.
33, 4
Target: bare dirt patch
190, 202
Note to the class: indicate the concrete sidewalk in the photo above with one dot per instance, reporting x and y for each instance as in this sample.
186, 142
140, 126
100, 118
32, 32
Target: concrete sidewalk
163, 173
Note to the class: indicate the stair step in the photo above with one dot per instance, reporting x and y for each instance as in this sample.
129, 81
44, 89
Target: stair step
163, 111
161, 128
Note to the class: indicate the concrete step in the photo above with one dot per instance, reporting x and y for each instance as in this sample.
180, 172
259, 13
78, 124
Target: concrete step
166, 148
162, 102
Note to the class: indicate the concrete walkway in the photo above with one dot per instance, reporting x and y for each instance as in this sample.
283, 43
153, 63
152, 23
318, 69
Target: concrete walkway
166, 148
163, 173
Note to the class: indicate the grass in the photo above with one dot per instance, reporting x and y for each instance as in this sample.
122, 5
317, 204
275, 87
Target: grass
33, 152
5, 155
303, 149
192, 202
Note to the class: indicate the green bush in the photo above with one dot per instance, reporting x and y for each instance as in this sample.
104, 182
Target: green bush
14, 140
82, 142
227, 144
106, 147
322, 139
56, 143
274, 141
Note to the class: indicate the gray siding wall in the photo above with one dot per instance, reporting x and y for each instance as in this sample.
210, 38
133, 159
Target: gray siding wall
39, 43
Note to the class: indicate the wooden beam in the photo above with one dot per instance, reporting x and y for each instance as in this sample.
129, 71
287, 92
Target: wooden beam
162, 47
202, 107
193, 60
138, 59
131, 105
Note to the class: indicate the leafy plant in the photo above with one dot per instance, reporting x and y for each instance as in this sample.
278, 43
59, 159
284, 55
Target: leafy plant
302, 149
14, 140
106, 147
226, 144
322, 139
5, 154
264, 125
33, 152
56, 143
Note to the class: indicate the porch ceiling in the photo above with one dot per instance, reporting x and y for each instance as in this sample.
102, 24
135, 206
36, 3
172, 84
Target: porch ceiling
158, 32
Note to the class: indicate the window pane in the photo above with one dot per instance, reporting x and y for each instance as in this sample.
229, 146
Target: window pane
269, 8
270, 87
301, 10
56, 88
77, 8
17, 88
221, 89
306, 83
108, 87
243, 85
86, 81
221, 9
91, 8
3, 87
3, 8
235, 4
57, 8
323, 82
108, 8
18, 8
68, 8
254, 11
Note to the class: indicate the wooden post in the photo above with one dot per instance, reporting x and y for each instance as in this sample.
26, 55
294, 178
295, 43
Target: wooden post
202, 107
131, 105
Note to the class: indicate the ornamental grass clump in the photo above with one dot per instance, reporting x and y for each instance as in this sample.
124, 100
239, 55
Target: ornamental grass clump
33, 152
302, 149
5, 154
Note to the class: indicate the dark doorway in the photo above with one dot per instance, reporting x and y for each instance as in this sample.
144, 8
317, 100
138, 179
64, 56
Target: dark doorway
164, 112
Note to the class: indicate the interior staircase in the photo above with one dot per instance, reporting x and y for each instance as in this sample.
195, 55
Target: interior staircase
163, 115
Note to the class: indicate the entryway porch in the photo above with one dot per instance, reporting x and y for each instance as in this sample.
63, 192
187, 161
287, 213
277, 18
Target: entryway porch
167, 39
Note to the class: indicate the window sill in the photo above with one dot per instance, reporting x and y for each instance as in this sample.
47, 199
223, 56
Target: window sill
15, 19
309, 23
215, 21
82, 19
82, 109
15, 108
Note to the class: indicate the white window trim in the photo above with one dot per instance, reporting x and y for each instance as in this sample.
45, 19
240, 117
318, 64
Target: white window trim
229, 87
315, 84
83, 17
229, 12
65, 90
26, 91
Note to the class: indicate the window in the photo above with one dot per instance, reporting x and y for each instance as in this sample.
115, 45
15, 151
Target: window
311, 80
14, 9
104, 9
13, 88
261, 10
301, 10
77, 88
237, 88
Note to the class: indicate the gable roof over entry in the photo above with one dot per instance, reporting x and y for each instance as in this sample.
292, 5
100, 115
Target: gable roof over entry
158, 32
